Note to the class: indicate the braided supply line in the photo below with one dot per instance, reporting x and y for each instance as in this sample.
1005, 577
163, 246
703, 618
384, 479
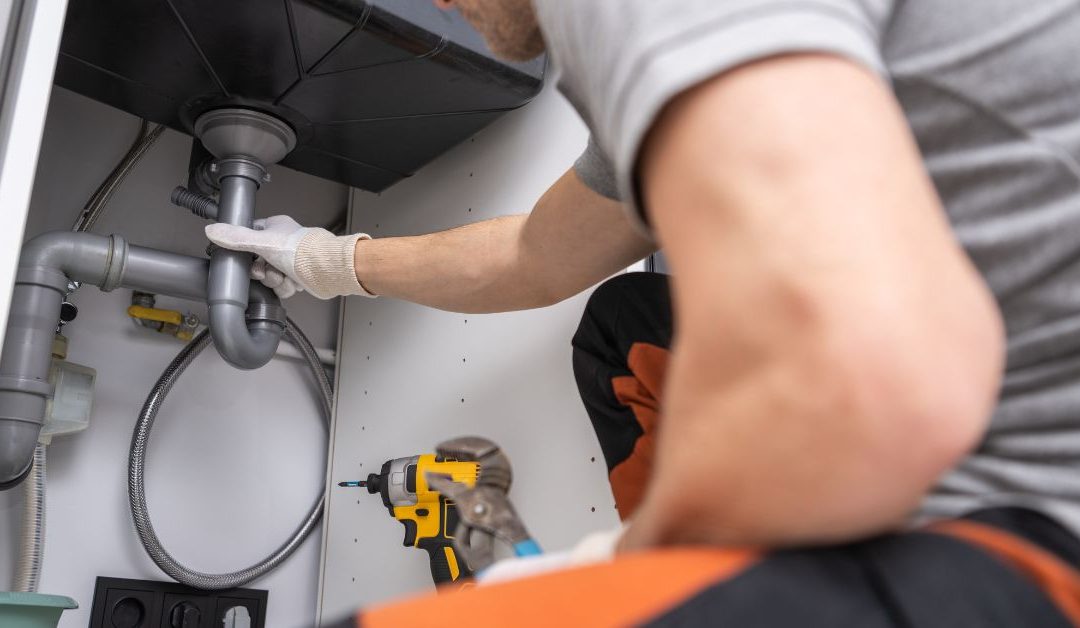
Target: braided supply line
137, 460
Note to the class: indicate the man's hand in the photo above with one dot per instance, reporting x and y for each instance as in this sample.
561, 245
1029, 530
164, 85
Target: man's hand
291, 258
836, 351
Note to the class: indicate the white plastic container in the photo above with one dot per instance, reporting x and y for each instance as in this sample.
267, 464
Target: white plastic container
68, 411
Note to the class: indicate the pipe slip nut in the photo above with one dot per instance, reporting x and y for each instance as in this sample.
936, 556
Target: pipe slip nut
266, 311
240, 167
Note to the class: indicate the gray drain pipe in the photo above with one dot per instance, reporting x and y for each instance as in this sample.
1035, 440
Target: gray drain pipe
246, 320
244, 143
48, 265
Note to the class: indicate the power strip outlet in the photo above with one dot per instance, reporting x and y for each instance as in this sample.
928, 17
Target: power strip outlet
124, 603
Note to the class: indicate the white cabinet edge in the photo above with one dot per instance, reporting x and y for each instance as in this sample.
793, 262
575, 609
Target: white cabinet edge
29, 84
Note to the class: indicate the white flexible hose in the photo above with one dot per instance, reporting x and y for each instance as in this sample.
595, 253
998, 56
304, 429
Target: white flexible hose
32, 545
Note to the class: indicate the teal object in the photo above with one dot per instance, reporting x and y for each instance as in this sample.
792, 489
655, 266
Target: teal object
32, 610
527, 548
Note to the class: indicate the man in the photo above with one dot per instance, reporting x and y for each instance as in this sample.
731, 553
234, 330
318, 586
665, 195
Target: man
864, 203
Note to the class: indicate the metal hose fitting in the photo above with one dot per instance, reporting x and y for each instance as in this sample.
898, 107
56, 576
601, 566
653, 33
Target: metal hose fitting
137, 462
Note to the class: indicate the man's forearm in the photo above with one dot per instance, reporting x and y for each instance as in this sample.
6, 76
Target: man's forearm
474, 268
572, 239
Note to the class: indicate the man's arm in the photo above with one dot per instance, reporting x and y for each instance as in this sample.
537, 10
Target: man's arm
836, 351
572, 239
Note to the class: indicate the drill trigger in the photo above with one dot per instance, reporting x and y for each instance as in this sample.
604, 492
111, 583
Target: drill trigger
410, 532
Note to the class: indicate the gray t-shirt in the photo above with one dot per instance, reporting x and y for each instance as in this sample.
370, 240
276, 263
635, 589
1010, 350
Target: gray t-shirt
991, 89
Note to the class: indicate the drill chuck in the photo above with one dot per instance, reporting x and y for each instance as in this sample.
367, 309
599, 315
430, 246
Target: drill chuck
373, 483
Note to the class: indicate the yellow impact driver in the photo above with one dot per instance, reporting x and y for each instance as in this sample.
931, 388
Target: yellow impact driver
429, 517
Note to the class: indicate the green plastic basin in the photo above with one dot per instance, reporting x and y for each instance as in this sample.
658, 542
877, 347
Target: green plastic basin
32, 610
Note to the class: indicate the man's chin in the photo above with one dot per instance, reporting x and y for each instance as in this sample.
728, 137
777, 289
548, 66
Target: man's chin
516, 54
516, 44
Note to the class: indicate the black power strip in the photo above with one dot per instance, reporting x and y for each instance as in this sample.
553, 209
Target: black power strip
123, 603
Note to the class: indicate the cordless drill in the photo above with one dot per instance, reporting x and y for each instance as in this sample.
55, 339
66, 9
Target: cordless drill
429, 518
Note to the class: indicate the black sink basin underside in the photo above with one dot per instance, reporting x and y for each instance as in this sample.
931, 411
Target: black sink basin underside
374, 89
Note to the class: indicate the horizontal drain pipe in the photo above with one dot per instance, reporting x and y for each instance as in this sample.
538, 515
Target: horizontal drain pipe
47, 266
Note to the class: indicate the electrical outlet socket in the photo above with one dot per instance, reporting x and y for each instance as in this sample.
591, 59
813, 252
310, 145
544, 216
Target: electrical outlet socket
125, 603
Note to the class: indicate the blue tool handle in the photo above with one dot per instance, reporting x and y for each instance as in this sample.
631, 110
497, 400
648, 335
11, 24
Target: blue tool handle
527, 548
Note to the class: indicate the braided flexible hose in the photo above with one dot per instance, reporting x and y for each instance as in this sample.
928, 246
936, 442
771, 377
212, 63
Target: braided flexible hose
140, 439
95, 206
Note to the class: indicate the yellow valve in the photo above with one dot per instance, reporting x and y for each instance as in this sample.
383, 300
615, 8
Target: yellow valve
171, 322
170, 317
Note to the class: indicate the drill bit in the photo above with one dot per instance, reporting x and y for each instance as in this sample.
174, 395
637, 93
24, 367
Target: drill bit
354, 483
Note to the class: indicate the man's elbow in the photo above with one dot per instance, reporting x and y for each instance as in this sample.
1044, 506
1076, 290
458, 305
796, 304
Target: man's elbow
923, 393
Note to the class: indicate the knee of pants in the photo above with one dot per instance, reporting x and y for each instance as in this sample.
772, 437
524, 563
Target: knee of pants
628, 308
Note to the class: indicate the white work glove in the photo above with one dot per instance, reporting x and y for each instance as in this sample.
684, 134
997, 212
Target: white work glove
291, 258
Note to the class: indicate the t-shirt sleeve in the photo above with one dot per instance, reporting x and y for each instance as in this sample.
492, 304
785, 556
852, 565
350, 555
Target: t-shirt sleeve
596, 172
621, 61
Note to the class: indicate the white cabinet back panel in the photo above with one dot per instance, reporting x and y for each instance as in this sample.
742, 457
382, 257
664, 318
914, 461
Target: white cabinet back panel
411, 376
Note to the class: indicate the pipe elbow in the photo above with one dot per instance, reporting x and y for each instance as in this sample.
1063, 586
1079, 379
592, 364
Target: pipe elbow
243, 344
246, 336
17, 442
52, 258
49, 249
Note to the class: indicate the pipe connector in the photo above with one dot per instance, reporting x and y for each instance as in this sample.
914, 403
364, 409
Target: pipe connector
239, 167
199, 204
264, 306
115, 264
